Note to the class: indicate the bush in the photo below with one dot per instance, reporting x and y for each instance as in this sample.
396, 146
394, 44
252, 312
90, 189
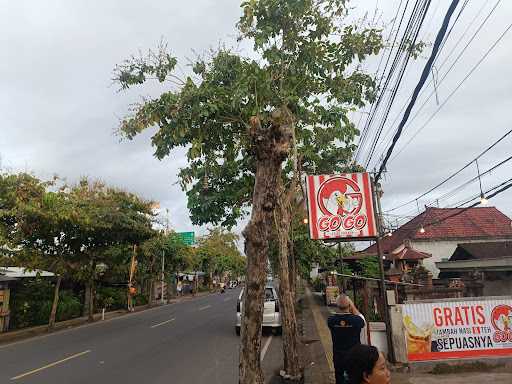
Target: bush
140, 299
69, 306
32, 300
111, 298
318, 284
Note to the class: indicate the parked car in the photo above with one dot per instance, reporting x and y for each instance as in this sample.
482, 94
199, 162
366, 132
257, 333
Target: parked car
271, 315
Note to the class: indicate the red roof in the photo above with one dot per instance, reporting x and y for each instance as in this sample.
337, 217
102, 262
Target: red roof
408, 253
471, 224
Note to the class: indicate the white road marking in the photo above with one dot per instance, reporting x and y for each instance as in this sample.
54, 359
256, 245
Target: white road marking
50, 365
265, 348
162, 323
205, 307
227, 299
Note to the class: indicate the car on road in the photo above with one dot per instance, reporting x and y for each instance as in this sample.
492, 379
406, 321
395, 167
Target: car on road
271, 315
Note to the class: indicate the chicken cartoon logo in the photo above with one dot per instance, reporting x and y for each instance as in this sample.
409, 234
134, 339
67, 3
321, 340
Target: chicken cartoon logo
339, 196
502, 318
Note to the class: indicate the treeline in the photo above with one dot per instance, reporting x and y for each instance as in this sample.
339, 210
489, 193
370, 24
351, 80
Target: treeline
86, 234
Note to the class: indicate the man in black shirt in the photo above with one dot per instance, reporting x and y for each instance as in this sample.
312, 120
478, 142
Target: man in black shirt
345, 329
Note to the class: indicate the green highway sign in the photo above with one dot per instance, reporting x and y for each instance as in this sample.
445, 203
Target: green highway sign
187, 237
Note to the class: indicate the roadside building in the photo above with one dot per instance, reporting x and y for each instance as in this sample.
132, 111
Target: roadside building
9, 278
4, 301
489, 264
435, 232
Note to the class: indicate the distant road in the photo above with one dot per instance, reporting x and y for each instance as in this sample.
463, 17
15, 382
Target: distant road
189, 342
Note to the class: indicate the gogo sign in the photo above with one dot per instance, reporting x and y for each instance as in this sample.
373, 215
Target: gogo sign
501, 319
340, 206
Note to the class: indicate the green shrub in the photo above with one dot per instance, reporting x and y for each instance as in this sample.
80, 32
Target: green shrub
32, 300
318, 284
111, 298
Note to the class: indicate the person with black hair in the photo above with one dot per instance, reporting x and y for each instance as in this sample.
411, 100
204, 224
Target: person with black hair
365, 365
345, 327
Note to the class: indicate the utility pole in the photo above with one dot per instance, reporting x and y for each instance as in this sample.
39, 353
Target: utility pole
380, 232
340, 255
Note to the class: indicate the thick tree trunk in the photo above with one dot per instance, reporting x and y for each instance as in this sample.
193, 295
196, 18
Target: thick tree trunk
150, 292
87, 299
292, 270
90, 312
292, 367
53, 313
270, 146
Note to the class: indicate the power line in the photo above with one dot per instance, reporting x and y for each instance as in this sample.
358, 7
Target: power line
424, 75
375, 105
459, 188
466, 201
453, 174
415, 29
438, 83
501, 190
453, 92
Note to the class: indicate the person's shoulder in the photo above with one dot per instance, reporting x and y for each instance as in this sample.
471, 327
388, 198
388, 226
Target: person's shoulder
333, 318
357, 319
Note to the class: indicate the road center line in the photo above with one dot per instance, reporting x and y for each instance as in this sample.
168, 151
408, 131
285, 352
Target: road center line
265, 348
162, 323
50, 365
205, 307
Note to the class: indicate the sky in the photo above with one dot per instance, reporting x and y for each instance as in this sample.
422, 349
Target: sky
60, 109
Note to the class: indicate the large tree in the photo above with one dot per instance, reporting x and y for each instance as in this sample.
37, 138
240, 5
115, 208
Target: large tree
168, 246
69, 230
218, 253
240, 116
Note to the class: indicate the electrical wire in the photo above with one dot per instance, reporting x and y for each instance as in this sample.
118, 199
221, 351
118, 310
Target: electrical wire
501, 190
453, 92
378, 100
414, 27
444, 181
438, 68
424, 75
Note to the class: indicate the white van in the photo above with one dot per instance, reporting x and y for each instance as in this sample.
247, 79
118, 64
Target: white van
271, 315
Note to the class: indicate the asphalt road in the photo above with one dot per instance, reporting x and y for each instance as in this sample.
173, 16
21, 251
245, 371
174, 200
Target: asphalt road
189, 342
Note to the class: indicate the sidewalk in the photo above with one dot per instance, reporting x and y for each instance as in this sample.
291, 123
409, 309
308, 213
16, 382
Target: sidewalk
26, 333
317, 354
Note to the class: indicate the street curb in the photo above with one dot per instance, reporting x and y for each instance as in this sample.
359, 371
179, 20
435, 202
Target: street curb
40, 330
316, 366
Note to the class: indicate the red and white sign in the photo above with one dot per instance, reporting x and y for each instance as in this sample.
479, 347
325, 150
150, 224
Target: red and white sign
458, 329
340, 206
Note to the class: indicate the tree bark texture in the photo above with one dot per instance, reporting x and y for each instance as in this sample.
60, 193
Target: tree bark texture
53, 313
90, 312
151, 288
87, 299
283, 215
270, 145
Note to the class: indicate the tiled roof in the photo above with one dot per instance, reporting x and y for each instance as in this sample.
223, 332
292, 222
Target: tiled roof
408, 253
474, 223
484, 250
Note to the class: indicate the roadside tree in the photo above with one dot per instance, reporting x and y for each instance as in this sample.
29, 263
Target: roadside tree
239, 118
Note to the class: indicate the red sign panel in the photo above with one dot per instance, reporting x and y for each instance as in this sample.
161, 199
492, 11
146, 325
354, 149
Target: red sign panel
340, 206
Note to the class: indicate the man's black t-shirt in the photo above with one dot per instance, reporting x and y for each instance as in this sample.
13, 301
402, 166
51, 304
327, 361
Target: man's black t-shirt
345, 331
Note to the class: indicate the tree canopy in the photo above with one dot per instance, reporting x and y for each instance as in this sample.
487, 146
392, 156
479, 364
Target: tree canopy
304, 58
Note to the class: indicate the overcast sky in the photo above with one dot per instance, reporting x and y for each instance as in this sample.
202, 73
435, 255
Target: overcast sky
60, 109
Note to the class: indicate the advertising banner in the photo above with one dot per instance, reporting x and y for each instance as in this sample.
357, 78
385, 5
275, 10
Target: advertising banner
340, 206
458, 329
